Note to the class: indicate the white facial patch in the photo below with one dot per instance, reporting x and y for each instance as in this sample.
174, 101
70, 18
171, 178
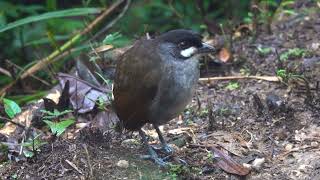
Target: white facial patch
188, 52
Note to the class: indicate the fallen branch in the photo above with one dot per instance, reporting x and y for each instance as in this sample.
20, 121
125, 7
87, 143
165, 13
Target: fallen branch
265, 78
33, 76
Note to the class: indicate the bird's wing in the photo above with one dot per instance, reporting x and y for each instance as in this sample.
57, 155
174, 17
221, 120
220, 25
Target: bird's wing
136, 84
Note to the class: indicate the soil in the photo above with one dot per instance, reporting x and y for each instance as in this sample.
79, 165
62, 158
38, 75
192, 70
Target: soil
275, 122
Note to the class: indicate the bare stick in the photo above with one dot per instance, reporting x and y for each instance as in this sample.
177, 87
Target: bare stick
15, 123
21, 69
88, 159
5, 72
265, 78
108, 26
74, 166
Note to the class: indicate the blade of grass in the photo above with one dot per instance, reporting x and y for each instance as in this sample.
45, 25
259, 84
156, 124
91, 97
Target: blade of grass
50, 15
55, 55
23, 99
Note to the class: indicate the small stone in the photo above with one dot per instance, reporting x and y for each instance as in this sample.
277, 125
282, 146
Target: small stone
123, 164
314, 144
315, 46
257, 163
288, 147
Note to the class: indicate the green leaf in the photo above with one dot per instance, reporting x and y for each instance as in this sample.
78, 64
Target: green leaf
58, 128
11, 107
232, 86
116, 39
26, 98
28, 154
50, 15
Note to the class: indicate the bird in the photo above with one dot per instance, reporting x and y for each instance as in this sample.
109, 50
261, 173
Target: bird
154, 81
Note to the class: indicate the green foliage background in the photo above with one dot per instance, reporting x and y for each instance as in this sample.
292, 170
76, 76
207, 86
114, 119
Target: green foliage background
24, 44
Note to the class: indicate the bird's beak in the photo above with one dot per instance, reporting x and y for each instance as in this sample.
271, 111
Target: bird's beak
206, 49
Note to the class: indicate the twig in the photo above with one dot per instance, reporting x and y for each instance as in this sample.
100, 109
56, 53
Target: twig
15, 123
88, 159
265, 78
49, 59
74, 166
21, 69
5, 72
108, 26
22, 142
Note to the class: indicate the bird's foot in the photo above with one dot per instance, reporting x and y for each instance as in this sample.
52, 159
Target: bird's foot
166, 149
159, 161
163, 162
176, 159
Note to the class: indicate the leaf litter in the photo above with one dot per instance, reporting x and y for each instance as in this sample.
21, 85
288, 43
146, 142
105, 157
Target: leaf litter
281, 142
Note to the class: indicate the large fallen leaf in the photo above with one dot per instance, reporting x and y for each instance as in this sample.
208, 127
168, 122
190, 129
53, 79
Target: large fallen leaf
228, 164
83, 95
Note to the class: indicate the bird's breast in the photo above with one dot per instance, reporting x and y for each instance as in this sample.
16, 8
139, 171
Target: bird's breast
177, 87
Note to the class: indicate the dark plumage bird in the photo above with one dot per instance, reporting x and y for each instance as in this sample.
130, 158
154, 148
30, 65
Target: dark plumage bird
155, 79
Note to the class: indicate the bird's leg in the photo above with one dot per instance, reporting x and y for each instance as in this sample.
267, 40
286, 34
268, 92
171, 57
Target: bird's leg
152, 153
167, 149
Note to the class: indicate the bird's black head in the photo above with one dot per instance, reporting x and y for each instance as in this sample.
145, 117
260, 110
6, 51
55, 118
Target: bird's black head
186, 43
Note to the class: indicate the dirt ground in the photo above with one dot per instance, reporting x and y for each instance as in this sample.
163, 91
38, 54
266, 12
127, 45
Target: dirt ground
273, 127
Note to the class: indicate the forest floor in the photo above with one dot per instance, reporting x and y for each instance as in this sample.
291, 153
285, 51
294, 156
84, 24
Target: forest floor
272, 127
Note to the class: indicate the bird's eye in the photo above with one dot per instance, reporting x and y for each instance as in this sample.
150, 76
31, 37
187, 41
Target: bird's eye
182, 44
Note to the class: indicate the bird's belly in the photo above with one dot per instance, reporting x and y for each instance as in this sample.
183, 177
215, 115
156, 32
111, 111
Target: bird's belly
177, 92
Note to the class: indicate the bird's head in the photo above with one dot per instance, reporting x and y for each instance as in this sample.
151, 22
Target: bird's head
185, 43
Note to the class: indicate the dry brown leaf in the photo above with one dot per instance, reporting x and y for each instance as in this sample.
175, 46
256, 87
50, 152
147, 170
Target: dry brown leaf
102, 48
228, 164
224, 55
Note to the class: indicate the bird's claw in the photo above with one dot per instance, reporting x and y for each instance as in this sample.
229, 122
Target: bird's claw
167, 149
155, 159
181, 161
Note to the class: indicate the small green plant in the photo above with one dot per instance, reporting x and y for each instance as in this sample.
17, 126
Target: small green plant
282, 73
108, 82
245, 71
263, 51
285, 76
293, 53
224, 112
32, 146
55, 114
286, 7
176, 170
102, 104
115, 39
232, 86
14, 176
210, 155
204, 112
57, 127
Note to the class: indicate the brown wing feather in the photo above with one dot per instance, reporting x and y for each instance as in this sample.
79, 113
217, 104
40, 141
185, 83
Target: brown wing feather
136, 84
